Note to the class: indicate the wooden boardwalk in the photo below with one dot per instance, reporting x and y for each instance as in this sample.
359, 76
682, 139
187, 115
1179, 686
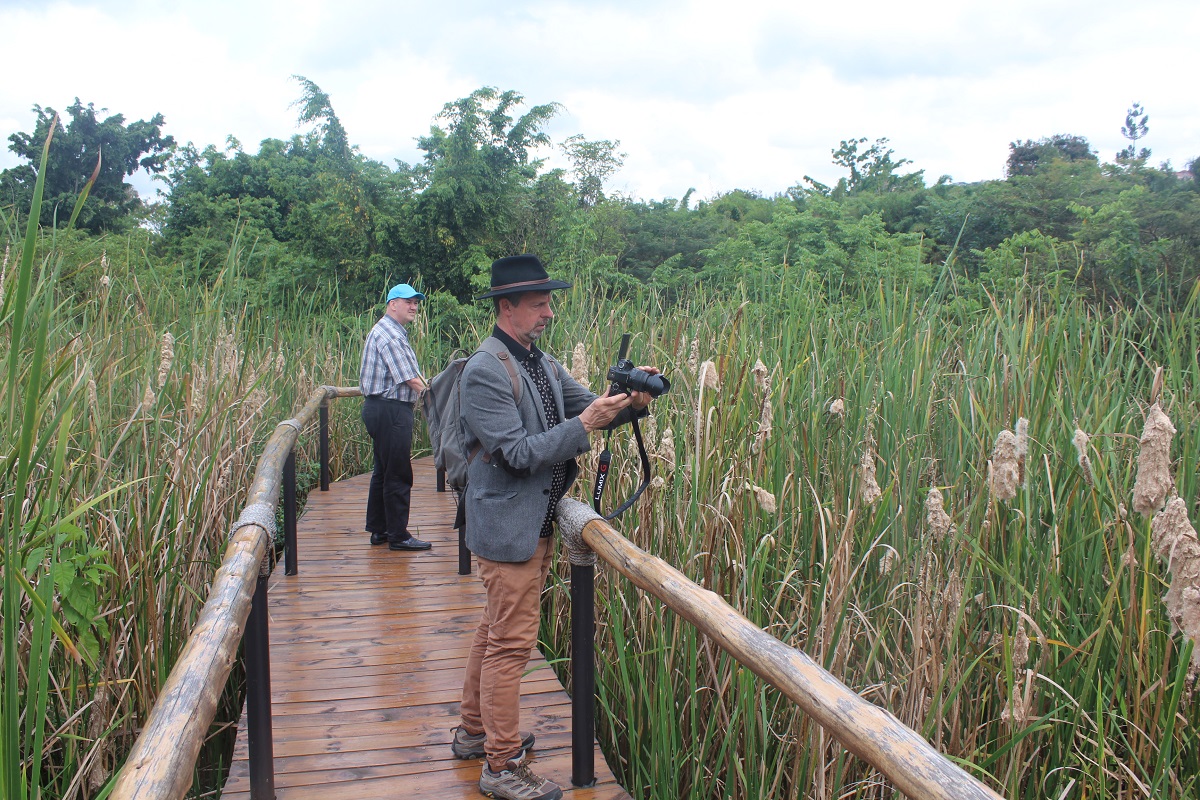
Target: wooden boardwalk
368, 648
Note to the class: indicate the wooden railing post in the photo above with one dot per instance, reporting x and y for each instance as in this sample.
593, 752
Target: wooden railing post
258, 695
323, 436
290, 556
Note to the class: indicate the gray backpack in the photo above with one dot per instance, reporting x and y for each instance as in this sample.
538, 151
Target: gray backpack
442, 406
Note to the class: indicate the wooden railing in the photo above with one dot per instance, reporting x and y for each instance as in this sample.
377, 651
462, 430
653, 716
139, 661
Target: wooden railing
161, 763
866, 730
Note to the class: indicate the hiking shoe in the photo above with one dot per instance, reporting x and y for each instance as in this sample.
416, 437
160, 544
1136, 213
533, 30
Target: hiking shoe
470, 745
517, 782
411, 543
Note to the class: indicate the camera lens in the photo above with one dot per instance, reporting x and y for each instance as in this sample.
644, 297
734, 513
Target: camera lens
653, 385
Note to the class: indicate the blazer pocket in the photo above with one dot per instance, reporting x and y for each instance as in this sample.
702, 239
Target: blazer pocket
486, 495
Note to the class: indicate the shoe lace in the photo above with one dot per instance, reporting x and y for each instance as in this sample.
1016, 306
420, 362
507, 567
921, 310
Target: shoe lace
527, 776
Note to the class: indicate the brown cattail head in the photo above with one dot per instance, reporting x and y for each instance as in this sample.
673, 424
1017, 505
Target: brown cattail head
761, 375
579, 364
166, 356
939, 522
868, 488
1022, 431
666, 447
1154, 482
766, 500
709, 377
1175, 543
1004, 472
1080, 439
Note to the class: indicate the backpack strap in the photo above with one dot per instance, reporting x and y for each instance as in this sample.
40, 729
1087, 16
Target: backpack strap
500, 350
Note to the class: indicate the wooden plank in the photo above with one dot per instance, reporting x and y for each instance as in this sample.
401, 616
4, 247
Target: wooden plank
368, 648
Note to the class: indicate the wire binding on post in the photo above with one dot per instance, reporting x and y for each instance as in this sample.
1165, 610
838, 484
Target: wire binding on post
572, 515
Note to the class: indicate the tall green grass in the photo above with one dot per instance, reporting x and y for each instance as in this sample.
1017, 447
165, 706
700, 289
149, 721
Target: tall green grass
1032, 643
135, 409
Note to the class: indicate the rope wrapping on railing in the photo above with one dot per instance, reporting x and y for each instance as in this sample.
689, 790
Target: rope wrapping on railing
262, 515
295, 423
572, 516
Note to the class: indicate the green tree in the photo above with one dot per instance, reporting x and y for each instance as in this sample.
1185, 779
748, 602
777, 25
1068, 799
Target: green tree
592, 163
478, 172
1137, 125
871, 170
118, 148
1026, 158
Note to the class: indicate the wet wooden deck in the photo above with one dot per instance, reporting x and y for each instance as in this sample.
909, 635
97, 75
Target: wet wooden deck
368, 648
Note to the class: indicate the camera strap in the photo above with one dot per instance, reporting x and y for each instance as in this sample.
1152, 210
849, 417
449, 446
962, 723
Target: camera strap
602, 474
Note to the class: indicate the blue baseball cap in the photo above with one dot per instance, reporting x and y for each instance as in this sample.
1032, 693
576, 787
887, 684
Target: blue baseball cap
402, 291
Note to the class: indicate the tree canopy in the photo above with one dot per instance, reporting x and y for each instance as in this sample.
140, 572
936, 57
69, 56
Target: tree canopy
117, 147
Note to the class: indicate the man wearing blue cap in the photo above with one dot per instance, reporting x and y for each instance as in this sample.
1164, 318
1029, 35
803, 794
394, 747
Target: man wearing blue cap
391, 382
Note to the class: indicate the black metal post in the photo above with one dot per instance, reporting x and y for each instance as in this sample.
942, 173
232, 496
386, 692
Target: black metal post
290, 557
258, 697
583, 676
323, 413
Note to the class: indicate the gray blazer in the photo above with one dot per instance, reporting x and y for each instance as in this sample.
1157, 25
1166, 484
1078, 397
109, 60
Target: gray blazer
508, 491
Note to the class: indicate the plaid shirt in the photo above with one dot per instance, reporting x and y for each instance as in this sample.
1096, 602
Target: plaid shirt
388, 361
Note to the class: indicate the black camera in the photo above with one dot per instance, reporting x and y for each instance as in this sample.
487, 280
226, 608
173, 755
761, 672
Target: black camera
627, 378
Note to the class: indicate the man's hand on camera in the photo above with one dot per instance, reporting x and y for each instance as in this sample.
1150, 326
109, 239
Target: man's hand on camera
642, 399
603, 410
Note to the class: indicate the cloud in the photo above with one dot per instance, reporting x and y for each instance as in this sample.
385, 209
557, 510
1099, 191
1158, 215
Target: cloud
700, 93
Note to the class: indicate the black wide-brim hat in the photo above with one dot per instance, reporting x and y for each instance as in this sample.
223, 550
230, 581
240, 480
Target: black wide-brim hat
523, 273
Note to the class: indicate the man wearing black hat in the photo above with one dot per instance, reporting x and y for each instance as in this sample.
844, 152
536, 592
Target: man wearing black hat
391, 382
529, 435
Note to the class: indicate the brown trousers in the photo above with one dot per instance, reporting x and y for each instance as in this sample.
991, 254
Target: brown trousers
507, 633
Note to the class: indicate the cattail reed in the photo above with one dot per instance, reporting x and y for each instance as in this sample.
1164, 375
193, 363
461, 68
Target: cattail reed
762, 379
1022, 432
938, 521
1003, 472
868, 487
166, 356
766, 500
580, 368
1080, 440
1154, 482
1175, 544
666, 447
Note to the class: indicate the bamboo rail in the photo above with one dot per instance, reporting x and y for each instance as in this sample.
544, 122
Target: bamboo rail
162, 761
913, 765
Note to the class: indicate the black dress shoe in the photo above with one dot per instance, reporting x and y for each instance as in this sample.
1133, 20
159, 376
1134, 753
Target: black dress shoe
379, 538
411, 543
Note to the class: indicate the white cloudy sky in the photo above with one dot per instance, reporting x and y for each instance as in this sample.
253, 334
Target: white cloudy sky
703, 94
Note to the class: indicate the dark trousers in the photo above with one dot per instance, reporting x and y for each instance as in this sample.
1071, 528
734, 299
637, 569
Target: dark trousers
390, 425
